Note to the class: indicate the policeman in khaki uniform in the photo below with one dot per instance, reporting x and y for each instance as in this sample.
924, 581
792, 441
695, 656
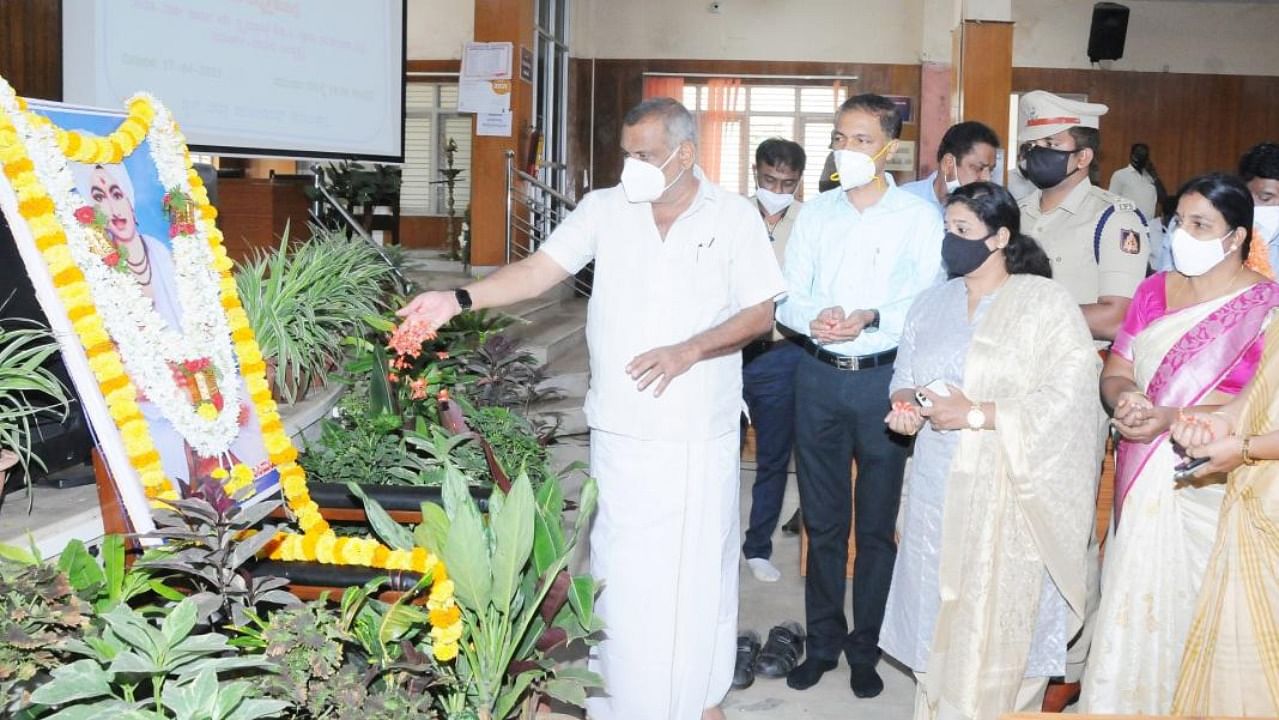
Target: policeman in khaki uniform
1097, 241
1098, 245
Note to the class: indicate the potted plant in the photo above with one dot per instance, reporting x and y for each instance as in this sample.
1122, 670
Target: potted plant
27, 388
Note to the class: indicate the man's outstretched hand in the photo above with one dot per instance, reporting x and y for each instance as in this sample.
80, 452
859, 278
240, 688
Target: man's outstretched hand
435, 308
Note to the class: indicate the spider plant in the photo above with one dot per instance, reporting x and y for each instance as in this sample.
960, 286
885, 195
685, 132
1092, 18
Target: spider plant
302, 300
27, 389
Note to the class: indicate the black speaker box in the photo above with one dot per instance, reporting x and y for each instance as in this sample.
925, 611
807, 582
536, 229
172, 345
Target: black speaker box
1109, 29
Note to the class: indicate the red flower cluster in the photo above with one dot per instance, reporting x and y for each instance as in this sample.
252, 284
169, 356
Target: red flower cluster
112, 259
184, 228
85, 214
409, 336
195, 366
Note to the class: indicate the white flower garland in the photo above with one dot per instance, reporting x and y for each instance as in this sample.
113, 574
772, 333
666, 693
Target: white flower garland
147, 346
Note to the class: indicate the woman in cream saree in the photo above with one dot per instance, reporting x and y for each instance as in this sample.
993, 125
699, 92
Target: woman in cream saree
1230, 666
1190, 338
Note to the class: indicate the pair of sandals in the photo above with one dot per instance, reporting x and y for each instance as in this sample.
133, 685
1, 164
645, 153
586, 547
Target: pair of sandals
778, 656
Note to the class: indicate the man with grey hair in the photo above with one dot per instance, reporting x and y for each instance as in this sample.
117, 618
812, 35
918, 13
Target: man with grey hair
684, 277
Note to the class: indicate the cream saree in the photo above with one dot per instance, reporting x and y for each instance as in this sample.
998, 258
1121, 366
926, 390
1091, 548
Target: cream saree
1231, 660
1019, 500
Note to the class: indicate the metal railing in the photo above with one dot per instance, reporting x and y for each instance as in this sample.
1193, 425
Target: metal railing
354, 226
533, 211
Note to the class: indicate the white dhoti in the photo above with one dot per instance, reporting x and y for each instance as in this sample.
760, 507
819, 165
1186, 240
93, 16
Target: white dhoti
664, 544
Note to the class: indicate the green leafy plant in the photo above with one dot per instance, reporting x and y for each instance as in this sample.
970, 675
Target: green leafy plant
113, 582
517, 600
27, 389
210, 537
138, 670
303, 300
39, 614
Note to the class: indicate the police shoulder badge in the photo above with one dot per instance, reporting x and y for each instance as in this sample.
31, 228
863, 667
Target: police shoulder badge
1130, 241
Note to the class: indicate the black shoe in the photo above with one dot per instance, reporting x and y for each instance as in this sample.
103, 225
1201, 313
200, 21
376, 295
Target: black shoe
744, 668
792, 526
782, 652
808, 673
865, 681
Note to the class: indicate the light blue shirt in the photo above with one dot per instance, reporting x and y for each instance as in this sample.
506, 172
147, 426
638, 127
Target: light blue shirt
923, 189
877, 259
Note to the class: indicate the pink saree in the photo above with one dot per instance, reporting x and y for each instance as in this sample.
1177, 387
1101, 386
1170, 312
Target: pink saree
1220, 351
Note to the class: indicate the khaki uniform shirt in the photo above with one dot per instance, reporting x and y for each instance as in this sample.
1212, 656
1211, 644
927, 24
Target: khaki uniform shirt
781, 233
1096, 241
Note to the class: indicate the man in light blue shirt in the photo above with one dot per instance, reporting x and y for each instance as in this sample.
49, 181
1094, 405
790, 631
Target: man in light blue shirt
966, 154
858, 256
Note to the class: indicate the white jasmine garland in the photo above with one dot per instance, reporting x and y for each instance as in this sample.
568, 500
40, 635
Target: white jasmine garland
146, 345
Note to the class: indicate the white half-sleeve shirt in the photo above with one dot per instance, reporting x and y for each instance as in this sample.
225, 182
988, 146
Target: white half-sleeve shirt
649, 292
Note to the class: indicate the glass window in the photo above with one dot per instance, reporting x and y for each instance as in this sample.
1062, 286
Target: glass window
430, 122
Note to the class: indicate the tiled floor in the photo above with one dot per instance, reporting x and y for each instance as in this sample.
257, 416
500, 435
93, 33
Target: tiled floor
764, 605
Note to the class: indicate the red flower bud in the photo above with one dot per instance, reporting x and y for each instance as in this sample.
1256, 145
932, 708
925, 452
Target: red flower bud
84, 214
111, 259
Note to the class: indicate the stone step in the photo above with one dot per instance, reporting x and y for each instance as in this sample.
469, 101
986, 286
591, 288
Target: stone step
555, 334
570, 374
531, 311
566, 414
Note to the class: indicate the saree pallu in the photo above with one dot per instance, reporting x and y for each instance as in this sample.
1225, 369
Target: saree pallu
1019, 500
1230, 664
1156, 556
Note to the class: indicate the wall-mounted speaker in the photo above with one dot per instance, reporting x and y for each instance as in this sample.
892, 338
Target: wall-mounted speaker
1109, 28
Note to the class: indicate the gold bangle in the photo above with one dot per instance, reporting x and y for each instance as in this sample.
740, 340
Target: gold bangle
1248, 459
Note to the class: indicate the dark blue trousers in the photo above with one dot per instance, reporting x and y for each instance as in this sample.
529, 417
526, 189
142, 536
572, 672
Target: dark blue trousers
839, 417
768, 384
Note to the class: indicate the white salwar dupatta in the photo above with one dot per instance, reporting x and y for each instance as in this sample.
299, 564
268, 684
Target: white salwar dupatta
1020, 499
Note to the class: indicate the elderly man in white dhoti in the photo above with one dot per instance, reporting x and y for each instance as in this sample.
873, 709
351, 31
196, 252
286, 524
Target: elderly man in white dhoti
684, 277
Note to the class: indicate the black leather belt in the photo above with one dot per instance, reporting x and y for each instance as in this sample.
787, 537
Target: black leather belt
849, 362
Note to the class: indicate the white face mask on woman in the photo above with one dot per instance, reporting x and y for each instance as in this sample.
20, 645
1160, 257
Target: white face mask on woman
1193, 257
645, 182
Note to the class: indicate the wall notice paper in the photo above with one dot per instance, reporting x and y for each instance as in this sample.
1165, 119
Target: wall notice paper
484, 96
487, 60
493, 124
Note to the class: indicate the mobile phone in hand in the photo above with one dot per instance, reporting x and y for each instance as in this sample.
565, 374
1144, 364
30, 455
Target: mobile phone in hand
938, 387
1187, 469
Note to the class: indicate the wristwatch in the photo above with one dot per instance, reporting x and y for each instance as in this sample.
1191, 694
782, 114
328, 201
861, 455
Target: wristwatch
976, 418
463, 298
873, 325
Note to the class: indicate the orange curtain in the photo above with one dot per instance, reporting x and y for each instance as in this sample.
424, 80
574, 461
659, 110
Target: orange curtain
721, 108
671, 87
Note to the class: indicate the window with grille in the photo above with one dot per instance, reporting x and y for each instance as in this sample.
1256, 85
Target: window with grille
431, 120
803, 113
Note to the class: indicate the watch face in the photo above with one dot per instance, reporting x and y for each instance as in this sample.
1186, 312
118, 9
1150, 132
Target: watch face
976, 418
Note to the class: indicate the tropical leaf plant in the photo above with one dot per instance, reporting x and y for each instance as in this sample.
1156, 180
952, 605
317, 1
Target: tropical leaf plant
210, 538
511, 582
27, 389
137, 669
302, 300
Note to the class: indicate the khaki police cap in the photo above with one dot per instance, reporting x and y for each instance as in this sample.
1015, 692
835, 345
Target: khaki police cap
1041, 114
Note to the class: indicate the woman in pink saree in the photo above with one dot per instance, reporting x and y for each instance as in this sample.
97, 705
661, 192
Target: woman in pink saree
1191, 338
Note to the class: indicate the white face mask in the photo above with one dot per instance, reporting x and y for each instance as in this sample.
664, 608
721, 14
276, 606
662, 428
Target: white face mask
1193, 257
952, 185
855, 168
1266, 218
645, 182
773, 202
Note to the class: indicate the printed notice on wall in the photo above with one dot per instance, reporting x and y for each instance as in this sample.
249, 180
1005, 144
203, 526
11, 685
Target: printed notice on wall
493, 124
487, 60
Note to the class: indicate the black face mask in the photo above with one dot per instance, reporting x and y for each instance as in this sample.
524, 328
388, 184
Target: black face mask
1046, 167
961, 255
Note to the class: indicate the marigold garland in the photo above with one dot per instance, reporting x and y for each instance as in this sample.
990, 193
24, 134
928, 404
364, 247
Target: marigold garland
317, 543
